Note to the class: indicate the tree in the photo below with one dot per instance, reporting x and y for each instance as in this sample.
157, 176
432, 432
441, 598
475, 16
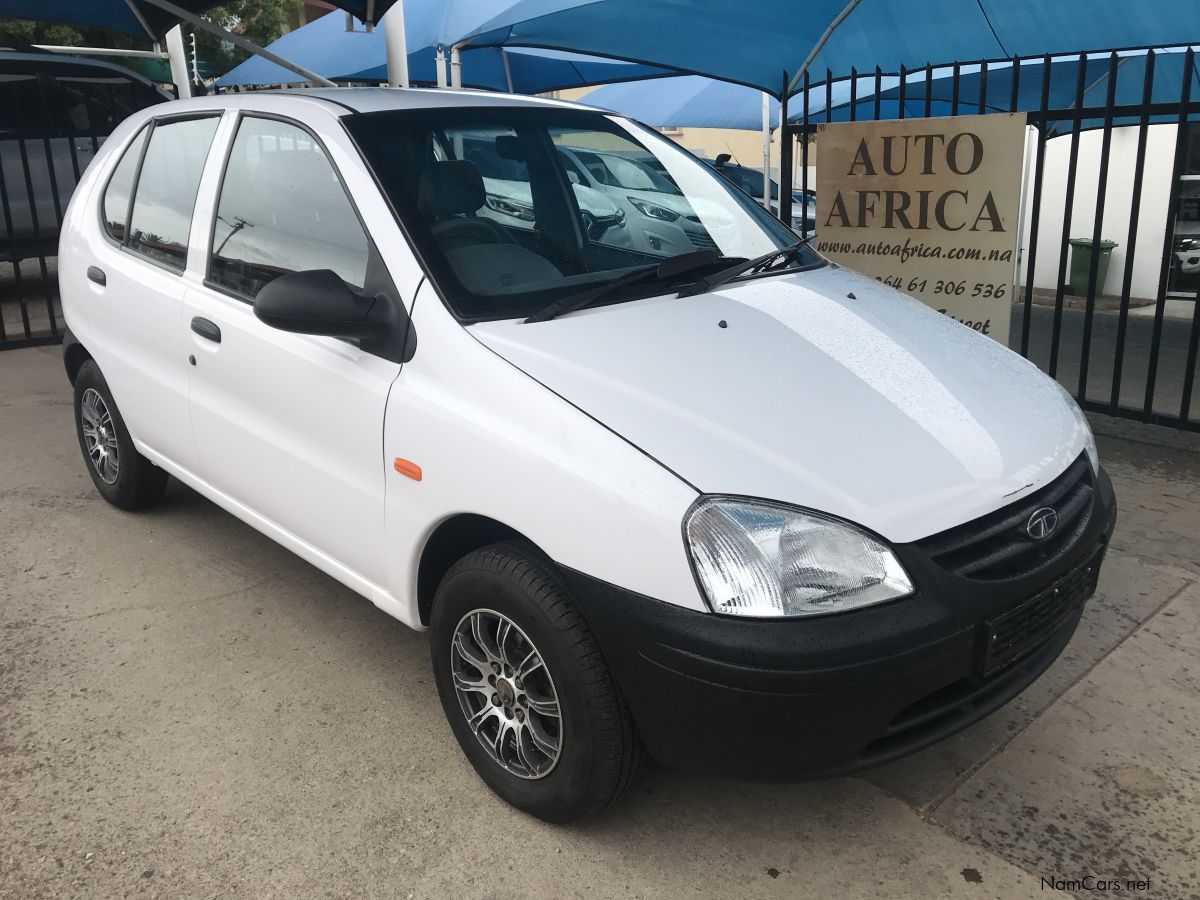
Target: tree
259, 21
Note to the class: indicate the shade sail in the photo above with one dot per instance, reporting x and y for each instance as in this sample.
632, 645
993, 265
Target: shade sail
688, 101
327, 48
692, 101
118, 15
755, 43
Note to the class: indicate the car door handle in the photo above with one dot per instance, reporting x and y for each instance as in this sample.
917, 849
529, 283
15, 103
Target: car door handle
96, 274
206, 329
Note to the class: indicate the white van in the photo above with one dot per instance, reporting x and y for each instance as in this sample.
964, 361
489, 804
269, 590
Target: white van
735, 507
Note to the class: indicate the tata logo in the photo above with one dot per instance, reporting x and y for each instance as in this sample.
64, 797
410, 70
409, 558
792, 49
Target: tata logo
1042, 523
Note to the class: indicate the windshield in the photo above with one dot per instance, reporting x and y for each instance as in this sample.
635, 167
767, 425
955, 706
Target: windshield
513, 208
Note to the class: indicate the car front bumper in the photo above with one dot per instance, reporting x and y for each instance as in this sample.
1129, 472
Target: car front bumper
803, 698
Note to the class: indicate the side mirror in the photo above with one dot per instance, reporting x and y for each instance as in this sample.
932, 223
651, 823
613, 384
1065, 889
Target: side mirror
319, 302
574, 176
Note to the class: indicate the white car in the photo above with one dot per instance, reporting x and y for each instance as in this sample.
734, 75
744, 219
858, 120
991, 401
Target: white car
737, 508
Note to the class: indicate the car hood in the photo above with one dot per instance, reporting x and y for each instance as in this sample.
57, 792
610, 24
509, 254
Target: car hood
822, 388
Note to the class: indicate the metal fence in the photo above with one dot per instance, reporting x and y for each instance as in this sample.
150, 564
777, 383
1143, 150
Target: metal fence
1131, 353
38, 174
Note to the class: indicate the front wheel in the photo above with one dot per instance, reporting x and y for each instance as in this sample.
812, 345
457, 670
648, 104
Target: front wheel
525, 688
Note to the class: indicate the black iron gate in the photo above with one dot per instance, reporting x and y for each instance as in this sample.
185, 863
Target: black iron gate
1121, 354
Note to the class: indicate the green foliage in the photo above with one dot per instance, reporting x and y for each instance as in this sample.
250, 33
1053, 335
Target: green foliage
18, 32
260, 21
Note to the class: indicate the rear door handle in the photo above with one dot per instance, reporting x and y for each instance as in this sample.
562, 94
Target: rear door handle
96, 274
206, 329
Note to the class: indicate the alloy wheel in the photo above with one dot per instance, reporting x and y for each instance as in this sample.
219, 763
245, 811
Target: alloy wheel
100, 436
506, 693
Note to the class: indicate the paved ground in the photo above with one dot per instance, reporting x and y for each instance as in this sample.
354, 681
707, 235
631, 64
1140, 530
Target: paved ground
187, 710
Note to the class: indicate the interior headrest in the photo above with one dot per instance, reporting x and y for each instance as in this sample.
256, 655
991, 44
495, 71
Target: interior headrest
450, 188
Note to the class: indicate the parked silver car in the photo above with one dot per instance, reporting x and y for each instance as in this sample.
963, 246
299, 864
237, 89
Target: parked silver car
55, 111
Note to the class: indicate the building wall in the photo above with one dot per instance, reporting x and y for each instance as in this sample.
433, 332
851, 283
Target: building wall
1155, 201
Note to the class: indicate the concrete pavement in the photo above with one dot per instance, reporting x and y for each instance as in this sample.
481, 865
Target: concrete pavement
188, 710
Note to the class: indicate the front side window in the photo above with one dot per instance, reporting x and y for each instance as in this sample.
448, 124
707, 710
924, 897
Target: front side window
282, 209
513, 208
120, 187
165, 194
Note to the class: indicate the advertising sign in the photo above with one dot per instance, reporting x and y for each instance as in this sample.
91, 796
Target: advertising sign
928, 206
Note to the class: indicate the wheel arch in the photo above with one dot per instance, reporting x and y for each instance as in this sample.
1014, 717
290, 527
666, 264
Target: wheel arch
449, 542
74, 355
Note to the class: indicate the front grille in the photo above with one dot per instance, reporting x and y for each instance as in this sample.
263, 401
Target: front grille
998, 546
1020, 631
703, 241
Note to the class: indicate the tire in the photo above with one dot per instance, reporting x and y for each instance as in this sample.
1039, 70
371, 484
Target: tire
124, 478
598, 752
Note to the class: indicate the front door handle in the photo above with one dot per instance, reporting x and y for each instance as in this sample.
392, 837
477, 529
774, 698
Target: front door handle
206, 329
96, 274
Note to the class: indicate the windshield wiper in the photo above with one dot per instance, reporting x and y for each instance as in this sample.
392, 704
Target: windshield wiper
664, 271
704, 285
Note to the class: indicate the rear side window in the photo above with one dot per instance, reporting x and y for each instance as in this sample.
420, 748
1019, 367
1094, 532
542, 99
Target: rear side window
282, 209
120, 187
165, 194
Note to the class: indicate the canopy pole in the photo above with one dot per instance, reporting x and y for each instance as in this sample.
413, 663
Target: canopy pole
177, 56
100, 51
833, 26
507, 70
456, 66
395, 43
442, 79
785, 158
238, 41
766, 148
137, 13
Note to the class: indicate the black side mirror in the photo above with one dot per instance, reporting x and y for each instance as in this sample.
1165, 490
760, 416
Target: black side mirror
319, 302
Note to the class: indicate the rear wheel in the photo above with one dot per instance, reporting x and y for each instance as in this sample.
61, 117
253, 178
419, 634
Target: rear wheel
525, 688
123, 476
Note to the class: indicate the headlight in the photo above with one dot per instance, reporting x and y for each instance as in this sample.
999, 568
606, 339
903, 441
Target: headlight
756, 558
654, 211
512, 208
1089, 439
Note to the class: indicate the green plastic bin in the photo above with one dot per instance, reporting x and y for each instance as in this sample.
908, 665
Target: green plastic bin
1081, 264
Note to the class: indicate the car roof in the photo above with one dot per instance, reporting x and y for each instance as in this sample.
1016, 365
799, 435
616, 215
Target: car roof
376, 99
8, 54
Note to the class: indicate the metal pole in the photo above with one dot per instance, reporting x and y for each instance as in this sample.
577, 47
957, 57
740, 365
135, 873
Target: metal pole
785, 159
766, 137
812, 54
101, 51
178, 59
238, 41
442, 78
455, 67
395, 44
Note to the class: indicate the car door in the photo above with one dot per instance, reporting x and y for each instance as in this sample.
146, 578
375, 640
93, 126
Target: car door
289, 426
136, 270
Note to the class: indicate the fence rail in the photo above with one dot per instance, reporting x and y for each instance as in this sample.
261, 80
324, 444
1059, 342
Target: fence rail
1124, 355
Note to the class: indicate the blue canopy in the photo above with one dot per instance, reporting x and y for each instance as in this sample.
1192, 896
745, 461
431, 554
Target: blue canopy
692, 101
755, 43
119, 15
327, 48
686, 101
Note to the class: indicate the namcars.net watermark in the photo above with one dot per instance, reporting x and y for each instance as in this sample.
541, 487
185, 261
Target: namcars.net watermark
1094, 883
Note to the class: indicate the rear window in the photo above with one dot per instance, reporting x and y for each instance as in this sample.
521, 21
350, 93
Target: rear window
120, 188
165, 194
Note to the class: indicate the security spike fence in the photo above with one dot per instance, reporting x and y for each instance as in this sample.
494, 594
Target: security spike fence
1113, 156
